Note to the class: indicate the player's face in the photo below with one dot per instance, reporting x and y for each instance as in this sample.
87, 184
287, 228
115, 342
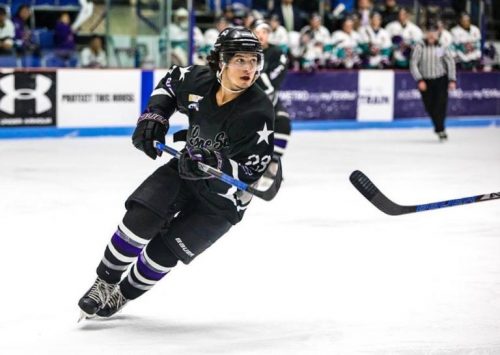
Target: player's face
403, 16
263, 35
376, 21
240, 72
465, 21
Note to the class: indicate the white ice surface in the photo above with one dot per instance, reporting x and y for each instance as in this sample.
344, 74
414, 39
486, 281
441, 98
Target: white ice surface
318, 270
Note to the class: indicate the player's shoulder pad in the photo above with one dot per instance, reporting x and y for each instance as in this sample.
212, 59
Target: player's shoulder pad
192, 73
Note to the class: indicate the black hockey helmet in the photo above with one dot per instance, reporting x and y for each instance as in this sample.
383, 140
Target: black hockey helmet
233, 40
261, 24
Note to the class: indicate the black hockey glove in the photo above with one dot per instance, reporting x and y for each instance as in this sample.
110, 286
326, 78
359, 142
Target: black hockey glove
188, 162
151, 127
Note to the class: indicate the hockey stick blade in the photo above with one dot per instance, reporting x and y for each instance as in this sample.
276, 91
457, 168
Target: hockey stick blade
368, 189
266, 195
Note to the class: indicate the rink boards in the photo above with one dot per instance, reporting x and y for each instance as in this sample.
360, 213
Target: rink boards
88, 102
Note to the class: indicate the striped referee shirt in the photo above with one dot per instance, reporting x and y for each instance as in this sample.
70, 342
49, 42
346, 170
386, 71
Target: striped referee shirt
432, 62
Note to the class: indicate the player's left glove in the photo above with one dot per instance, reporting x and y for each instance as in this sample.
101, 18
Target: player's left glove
188, 162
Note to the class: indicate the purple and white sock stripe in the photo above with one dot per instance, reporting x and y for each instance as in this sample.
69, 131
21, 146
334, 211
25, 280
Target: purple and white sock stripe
123, 249
146, 273
280, 143
130, 237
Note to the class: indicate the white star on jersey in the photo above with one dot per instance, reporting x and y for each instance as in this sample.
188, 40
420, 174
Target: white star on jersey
264, 134
171, 69
183, 71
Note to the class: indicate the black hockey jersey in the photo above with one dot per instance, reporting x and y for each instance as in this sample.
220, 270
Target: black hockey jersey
273, 74
241, 130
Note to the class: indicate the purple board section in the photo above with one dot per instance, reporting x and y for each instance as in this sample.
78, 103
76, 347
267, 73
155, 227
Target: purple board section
324, 95
478, 94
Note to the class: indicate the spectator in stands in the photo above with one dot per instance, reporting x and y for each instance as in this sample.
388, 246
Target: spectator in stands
375, 43
6, 34
313, 38
389, 12
404, 35
64, 38
278, 35
433, 68
467, 42
64, 43
363, 10
24, 37
290, 16
346, 46
94, 55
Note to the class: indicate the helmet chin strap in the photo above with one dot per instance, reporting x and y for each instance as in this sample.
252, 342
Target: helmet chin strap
219, 79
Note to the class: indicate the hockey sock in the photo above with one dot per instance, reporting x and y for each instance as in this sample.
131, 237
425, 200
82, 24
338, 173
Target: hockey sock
121, 251
282, 130
138, 227
153, 263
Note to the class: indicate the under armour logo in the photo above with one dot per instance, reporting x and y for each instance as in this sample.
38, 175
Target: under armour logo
42, 101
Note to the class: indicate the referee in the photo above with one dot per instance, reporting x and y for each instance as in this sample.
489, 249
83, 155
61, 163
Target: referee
433, 67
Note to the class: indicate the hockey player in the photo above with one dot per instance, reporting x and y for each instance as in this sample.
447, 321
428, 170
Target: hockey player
346, 46
404, 34
178, 211
273, 73
467, 42
376, 43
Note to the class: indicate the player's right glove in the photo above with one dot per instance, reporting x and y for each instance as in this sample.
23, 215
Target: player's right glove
150, 127
188, 162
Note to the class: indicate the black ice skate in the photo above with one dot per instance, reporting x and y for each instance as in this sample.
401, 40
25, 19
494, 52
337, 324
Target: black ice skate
443, 137
115, 304
95, 298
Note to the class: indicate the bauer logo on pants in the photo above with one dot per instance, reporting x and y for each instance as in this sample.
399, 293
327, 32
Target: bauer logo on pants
27, 99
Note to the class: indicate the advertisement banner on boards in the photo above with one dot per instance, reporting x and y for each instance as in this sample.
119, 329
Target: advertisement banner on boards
375, 95
27, 98
325, 95
477, 94
98, 98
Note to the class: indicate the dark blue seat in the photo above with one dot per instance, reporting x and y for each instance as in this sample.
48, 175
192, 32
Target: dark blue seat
44, 2
8, 61
69, 3
30, 61
44, 38
16, 4
52, 60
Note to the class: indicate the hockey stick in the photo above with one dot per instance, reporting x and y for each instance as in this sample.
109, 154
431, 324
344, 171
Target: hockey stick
266, 195
364, 185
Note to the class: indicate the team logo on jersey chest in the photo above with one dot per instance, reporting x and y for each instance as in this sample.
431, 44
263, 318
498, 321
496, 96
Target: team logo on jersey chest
194, 102
219, 142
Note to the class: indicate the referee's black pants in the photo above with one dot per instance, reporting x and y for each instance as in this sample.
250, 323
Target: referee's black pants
435, 100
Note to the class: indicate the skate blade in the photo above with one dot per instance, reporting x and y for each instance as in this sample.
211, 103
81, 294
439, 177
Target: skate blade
84, 315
